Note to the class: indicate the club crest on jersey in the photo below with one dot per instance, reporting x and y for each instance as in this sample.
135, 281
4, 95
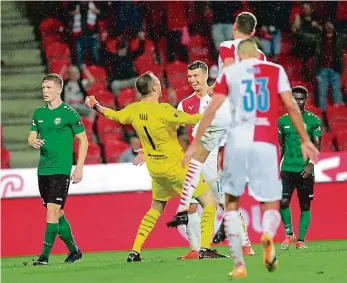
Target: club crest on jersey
57, 121
304, 125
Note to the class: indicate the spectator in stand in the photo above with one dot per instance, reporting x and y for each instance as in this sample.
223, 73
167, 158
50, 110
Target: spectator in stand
127, 18
177, 30
305, 25
223, 20
328, 62
130, 154
84, 28
120, 65
272, 22
74, 90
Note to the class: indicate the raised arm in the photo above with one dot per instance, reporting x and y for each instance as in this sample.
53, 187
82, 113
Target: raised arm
179, 118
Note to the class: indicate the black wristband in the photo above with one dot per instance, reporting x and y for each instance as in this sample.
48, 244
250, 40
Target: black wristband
95, 107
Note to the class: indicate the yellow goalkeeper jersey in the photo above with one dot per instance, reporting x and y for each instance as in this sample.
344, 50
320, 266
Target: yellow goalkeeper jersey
156, 125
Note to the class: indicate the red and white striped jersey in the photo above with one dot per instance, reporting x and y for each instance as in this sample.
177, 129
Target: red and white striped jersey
252, 87
228, 49
194, 104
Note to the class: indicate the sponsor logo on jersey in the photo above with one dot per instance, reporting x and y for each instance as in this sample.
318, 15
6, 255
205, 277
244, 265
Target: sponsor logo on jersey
78, 124
40, 121
34, 123
144, 116
57, 121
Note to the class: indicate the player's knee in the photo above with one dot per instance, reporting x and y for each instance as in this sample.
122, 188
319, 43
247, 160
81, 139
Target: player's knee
284, 203
231, 202
305, 205
53, 213
192, 208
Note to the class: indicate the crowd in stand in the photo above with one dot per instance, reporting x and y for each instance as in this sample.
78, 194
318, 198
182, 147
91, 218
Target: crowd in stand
100, 47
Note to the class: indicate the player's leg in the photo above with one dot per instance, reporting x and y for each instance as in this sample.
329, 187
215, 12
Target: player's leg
266, 187
193, 231
305, 194
146, 226
288, 185
53, 209
233, 183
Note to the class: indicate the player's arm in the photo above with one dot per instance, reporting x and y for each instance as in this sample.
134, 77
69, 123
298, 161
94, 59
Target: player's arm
221, 91
33, 140
281, 137
179, 118
122, 116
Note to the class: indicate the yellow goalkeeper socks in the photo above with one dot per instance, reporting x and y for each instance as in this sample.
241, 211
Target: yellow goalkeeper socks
146, 226
207, 225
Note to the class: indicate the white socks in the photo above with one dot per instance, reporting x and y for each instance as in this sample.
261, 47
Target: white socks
233, 230
244, 231
190, 183
194, 231
271, 221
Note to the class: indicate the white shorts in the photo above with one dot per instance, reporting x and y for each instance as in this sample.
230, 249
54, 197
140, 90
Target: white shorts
210, 175
259, 162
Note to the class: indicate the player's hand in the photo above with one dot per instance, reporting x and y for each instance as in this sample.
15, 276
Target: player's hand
37, 143
140, 158
188, 155
309, 151
91, 101
307, 170
77, 175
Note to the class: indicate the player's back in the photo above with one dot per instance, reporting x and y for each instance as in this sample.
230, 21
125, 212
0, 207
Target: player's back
156, 125
252, 87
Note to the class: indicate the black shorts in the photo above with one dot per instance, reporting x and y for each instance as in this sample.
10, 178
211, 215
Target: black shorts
54, 189
294, 180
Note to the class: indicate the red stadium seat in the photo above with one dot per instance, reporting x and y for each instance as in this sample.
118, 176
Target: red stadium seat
88, 125
97, 87
341, 138
5, 158
56, 65
341, 14
336, 112
181, 87
111, 44
99, 73
94, 154
327, 139
57, 50
177, 69
50, 39
50, 26
198, 49
105, 125
125, 97
105, 97
338, 125
114, 149
156, 69
314, 109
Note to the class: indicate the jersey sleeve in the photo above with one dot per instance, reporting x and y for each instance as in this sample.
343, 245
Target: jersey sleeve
34, 123
221, 86
76, 123
179, 118
283, 82
123, 116
224, 53
317, 127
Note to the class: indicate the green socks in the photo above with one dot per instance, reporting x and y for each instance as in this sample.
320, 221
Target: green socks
50, 235
305, 219
287, 220
66, 235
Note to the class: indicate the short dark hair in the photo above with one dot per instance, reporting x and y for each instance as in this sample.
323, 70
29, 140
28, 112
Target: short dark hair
55, 78
300, 89
144, 83
198, 65
246, 23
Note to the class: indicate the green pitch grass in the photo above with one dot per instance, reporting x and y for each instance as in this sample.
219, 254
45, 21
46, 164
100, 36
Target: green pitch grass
323, 262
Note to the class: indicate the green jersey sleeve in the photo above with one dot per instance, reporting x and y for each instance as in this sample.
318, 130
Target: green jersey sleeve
76, 123
317, 127
34, 123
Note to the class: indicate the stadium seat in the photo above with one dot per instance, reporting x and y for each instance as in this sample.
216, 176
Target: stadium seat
88, 125
56, 65
341, 138
50, 39
105, 125
327, 140
338, 125
341, 14
97, 87
111, 44
181, 87
105, 97
156, 69
114, 149
5, 158
125, 97
50, 26
312, 108
177, 69
336, 112
198, 49
57, 50
94, 154
98, 72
